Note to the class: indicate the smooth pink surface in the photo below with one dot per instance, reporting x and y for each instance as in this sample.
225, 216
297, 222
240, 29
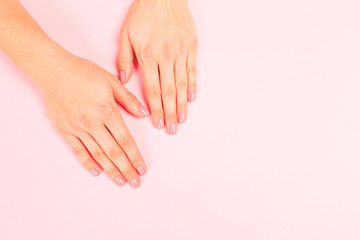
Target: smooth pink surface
270, 151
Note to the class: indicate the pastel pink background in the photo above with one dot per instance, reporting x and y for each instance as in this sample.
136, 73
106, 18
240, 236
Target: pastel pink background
270, 150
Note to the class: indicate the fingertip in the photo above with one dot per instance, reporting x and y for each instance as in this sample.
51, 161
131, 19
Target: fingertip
141, 171
144, 111
122, 77
134, 183
192, 96
95, 172
172, 129
159, 123
120, 181
182, 117
125, 74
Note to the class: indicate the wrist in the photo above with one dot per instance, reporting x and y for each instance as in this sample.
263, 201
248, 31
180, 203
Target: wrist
45, 63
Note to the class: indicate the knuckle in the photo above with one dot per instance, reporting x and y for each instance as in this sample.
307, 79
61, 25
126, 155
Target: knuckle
106, 111
79, 152
115, 153
98, 155
123, 61
192, 70
169, 91
131, 98
146, 55
126, 141
167, 52
154, 92
181, 84
86, 121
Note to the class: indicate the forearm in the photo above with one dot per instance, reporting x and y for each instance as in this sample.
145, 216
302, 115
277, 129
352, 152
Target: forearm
23, 40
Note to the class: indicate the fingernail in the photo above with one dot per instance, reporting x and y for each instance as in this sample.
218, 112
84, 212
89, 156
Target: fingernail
143, 110
160, 123
182, 117
134, 183
120, 181
141, 171
172, 129
192, 96
122, 77
94, 172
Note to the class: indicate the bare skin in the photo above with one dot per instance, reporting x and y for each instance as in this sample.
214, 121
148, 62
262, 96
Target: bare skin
80, 97
83, 99
161, 35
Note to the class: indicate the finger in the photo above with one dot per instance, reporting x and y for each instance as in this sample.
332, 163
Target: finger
123, 137
168, 92
116, 154
126, 57
83, 155
99, 155
181, 89
191, 72
153, 92
128, 100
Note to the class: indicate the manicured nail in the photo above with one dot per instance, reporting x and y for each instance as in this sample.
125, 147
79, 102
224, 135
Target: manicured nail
143, 110
141, 171
94, 172
134, 183
182, 117
192, 96
172, 129
160, 123
122, 77
120, 181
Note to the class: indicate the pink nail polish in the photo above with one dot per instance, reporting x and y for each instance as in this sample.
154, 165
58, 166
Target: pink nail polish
172, 129
192, 96
143, 110
182, 117
141, 171
120, 181
122, 77
134, 183
160, 123
94, 172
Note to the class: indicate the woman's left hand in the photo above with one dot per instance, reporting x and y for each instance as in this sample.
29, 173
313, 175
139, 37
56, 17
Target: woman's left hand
161, 34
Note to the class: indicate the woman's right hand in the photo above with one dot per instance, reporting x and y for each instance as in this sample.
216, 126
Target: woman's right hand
80, 98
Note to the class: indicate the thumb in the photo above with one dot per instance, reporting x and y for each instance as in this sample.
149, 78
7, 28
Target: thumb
126, 58
127, 100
